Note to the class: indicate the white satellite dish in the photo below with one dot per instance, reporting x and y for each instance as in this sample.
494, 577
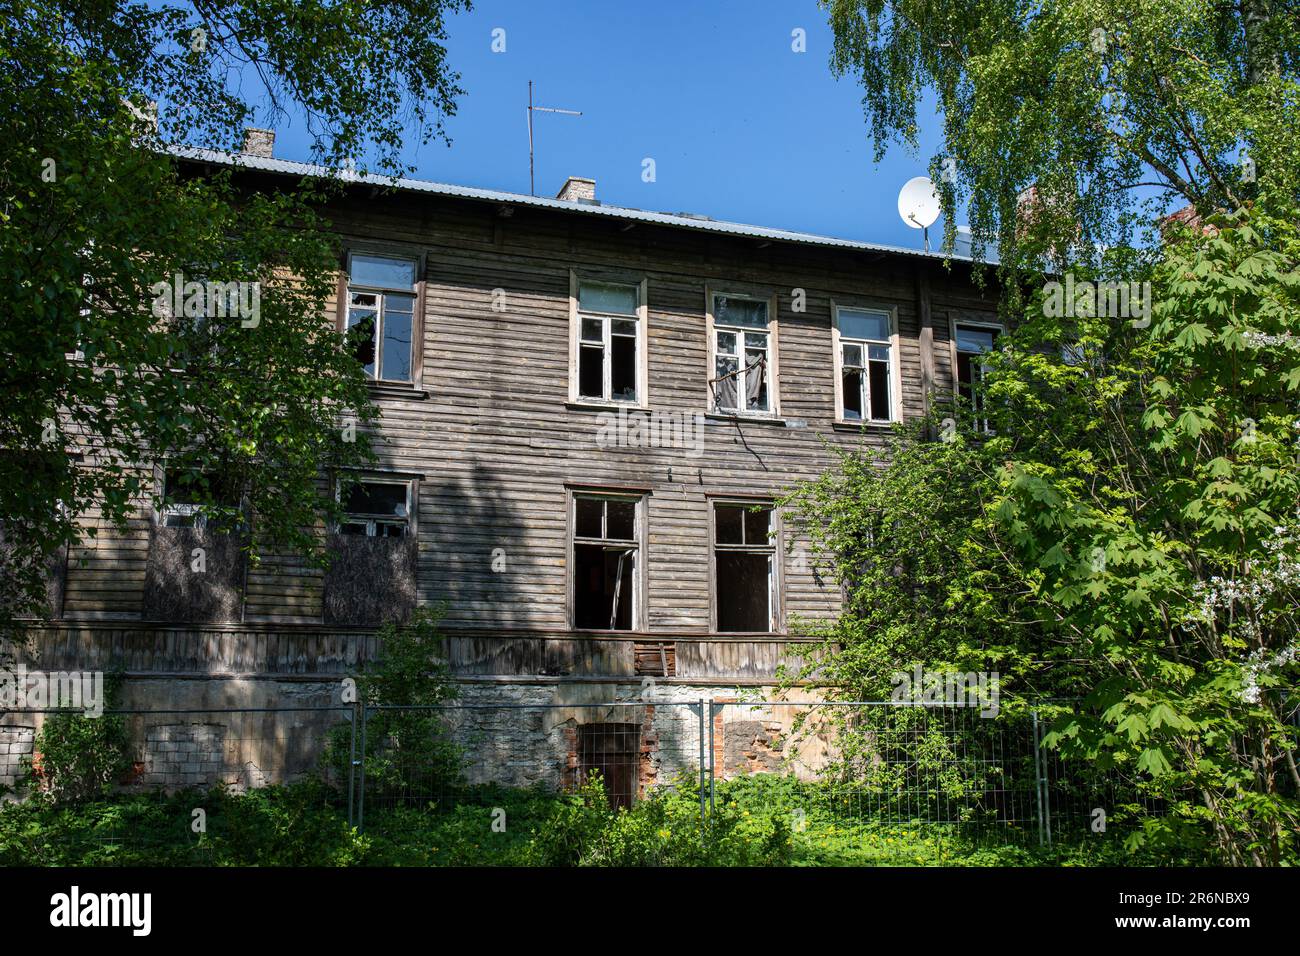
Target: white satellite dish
918, 203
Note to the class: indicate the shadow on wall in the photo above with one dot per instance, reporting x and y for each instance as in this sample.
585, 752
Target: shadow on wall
475, 555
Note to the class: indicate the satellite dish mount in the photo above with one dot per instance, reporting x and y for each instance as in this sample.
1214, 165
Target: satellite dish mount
918, 204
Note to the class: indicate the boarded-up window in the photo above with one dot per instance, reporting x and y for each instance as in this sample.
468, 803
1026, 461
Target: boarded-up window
196, 565
372, 573
614, 752
194, 575
606, 555
744, 560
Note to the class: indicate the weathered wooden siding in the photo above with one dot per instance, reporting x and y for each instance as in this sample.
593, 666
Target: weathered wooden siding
495, 441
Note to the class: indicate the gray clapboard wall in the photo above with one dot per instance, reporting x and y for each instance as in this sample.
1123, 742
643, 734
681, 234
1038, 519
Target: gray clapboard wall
496, 444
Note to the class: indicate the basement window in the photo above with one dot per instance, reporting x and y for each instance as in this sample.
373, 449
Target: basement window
972, 342
377, 509
613, 752
866, 360
381, 315
606, 562
609, 333
742, 359
744, 561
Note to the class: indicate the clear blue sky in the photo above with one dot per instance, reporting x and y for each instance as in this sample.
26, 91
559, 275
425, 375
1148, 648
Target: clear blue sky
740, 127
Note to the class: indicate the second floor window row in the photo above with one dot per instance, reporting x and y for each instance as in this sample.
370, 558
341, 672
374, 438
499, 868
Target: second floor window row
609, 337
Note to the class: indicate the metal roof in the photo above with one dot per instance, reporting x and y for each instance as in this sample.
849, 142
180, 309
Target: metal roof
627, 213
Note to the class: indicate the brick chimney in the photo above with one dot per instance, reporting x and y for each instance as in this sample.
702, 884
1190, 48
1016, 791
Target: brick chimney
576, 189
259, 142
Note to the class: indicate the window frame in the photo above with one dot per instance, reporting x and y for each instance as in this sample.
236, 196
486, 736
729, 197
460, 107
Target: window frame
997, 328
895, 362
373, 520
344, 305
639, 573
642, 319
748, 293
163, 511
776, 575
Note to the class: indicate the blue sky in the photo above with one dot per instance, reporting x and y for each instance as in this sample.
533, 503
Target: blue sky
740, 127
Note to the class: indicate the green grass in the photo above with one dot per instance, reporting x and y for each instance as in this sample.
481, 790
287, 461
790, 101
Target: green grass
757, 821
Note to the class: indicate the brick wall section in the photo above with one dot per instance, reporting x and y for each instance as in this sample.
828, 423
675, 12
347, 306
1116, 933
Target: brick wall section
184, 755
15, 744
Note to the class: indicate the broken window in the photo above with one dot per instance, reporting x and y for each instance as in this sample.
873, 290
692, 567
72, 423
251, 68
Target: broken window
741, 355
609, 325
744, 560
865, 365
381, 315
606, 552
613, 751
195, 500
377, 509
972, 342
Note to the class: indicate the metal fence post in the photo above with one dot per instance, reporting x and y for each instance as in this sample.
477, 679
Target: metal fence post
713, 771
1038, 781
352, 765
361, 798
700, 712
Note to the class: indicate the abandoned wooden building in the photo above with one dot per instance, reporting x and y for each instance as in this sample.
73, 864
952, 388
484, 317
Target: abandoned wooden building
588, 411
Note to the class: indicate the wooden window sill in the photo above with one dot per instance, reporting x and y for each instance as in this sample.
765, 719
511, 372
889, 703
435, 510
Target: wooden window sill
593, 406
726, 417
397, 390
863, 426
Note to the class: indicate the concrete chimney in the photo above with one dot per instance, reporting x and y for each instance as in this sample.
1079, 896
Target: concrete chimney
576, 189
259, 142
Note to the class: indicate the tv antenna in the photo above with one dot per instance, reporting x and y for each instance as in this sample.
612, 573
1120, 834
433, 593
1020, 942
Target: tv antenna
532, 188
918, 204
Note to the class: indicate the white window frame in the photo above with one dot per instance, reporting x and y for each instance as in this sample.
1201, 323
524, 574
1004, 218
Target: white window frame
638, 540
838, 342
997, 328
576, 315
381, 307
775, 574
372, 521
712, 327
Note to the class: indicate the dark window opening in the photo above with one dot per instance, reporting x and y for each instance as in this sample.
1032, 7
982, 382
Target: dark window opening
852, 394
613, 751
607, 353
376, 509
623, 370
879, 378
591, 371
744, 590
603, 587
745, 568
605, 556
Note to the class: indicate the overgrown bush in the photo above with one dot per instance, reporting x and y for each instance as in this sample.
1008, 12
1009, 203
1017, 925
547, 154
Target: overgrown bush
77, 758
409, 754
